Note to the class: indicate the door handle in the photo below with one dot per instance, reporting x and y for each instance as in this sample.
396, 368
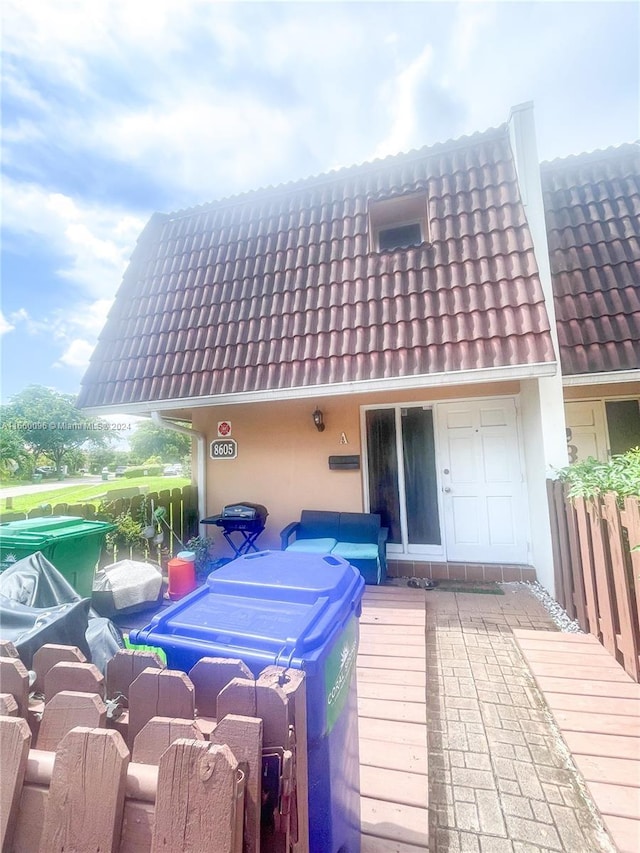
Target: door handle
446, 489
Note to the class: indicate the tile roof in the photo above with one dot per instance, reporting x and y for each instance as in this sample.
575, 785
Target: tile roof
592, 206
278, 288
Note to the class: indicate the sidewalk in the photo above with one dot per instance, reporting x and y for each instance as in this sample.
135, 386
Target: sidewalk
47, 486
500, 779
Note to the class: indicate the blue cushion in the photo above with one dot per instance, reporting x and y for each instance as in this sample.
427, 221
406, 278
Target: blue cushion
312, 546
356, 550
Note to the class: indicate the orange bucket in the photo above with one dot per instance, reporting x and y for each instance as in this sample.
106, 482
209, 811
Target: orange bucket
182, 576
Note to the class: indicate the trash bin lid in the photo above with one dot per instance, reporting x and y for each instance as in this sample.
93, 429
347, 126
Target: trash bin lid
278, 604
43, 524
52, 526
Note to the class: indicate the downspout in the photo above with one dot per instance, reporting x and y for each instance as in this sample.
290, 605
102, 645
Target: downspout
201, 458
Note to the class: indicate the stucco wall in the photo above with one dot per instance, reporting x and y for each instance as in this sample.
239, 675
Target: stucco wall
283, 460
599, 392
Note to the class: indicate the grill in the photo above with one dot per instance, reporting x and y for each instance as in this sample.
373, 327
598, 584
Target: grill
246, 519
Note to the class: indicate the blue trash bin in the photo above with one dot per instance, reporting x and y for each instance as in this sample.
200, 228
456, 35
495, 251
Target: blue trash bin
296, 610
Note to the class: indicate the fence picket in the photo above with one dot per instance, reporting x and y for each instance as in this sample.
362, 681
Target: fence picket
628, 642
555, 517
15, 740
243, 736
86, 796
598, 568
603, 579
586, 555
579, 594
196, 799
66, 710
563, 543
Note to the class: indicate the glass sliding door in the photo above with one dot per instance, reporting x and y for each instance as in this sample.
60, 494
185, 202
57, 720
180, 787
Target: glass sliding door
384, 496
402, 477
420, 483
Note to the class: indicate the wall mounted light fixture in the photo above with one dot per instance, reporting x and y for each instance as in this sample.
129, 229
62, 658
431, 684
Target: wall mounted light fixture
318, 420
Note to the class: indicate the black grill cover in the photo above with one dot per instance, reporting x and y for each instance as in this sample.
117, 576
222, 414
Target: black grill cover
245, 511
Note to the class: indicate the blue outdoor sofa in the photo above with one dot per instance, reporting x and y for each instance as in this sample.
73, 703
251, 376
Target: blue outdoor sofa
358, 537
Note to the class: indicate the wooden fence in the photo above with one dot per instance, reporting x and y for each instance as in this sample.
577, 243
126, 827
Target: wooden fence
181, 506
597, 570
149, 759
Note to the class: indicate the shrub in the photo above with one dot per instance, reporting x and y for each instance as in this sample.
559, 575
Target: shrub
592, 477
143, 471
128, 534
202, 547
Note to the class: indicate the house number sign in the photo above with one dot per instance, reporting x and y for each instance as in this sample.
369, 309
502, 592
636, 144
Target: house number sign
224, 448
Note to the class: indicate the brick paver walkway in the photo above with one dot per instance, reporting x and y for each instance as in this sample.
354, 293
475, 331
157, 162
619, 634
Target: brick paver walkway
500, 778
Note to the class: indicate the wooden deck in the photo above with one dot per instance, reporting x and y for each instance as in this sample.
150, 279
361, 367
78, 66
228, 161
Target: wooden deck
596, 706
393, 721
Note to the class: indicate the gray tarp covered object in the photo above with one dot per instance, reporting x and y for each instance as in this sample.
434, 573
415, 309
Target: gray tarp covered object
38, 606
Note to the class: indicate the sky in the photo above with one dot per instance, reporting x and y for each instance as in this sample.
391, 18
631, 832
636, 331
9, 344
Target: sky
113, 109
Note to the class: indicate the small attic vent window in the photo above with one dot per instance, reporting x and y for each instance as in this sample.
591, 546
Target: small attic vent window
398, 222
399, 237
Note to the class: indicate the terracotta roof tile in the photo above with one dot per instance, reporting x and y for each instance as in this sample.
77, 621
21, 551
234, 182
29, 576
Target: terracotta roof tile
592, 204
279, 288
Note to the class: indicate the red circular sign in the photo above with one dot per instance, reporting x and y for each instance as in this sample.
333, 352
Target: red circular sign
224, 428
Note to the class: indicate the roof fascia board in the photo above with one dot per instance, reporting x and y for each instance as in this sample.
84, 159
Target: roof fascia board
618, 376
434, 380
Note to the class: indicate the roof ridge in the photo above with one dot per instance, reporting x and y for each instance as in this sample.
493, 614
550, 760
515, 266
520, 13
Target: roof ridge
437, 148
594, 156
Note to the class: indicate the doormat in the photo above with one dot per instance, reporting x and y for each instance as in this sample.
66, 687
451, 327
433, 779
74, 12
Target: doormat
478, 587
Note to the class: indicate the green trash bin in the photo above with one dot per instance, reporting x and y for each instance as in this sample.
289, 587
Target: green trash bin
72, 544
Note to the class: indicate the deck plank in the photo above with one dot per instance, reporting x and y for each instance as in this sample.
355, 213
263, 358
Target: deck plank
391, 672
394, 821
593, 672
615, 771
607, 746
368, 672
383, 709
597, 709
617, 800
390, 692
371, 844
390, 650
608, 724
587, 687
399, 786
404, 757
384, 662
603, 705
625, 831
392, 732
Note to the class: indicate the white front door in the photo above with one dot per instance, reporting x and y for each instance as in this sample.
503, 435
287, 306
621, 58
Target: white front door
483, 493
586, 430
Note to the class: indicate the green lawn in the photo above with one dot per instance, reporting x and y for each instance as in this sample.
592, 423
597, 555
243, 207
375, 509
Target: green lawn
92, 492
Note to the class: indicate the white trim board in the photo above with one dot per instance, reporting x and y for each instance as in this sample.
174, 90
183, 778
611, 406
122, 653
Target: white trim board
427, 380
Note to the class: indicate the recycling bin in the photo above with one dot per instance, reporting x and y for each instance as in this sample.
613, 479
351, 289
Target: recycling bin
72, 544
293, 610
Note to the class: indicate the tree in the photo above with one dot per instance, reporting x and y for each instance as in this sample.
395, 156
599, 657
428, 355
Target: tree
13, 456
149, 440
48, 423
106, 457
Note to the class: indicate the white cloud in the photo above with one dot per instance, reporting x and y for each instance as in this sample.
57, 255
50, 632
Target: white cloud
5, 326
470, 32
402, 97
95, 241
75, 330
76, 355
201, 141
